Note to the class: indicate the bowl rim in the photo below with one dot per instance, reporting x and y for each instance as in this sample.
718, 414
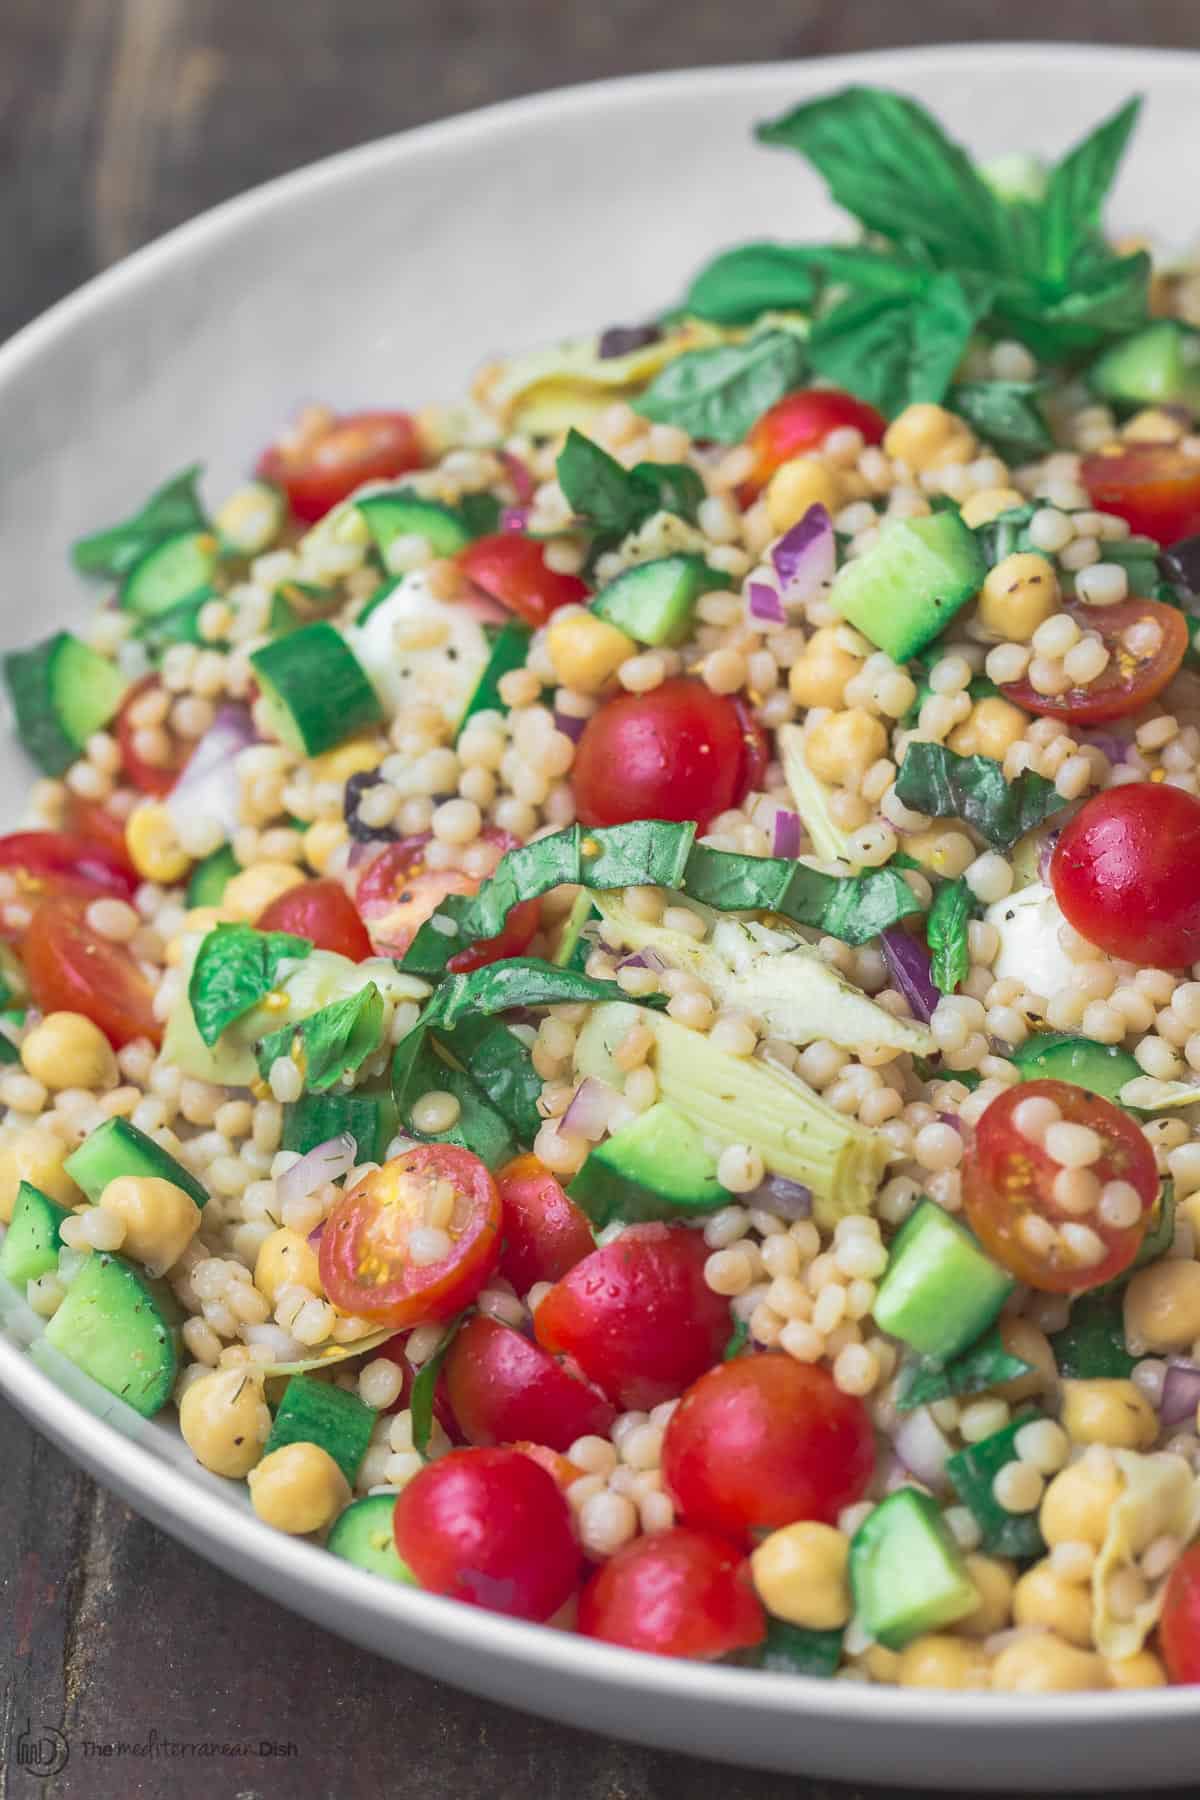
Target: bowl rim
187, 1505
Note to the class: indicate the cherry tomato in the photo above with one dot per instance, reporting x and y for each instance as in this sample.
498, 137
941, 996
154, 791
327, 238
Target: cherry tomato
763, 1440
638, 1316
1012, 1202
512, 569
489, 1527
47, 863
756, 752
1123, 873
71, 968
89, 819
801, 422
323, 912
318, 469
1130, 679
1154, 487
151, 778
678, 1593
1179, 1626
364, 1260
545, 1234
397, 892
678, 752
503, 1388
560, 1468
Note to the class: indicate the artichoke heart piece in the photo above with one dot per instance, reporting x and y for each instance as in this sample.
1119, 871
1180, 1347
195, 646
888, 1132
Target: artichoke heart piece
1160, 1498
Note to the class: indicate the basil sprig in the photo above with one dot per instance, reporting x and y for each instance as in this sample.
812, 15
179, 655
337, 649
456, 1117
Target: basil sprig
937, 781
235, 968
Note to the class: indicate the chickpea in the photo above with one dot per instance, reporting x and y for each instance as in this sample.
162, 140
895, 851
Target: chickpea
1076, 1504
926, 436
225, 1421
1018, 594
586, 652
991, 728
1142, 1670
1043, 1664
941, 850
881, 1665
1162, 1306
842, 746
160, 1219
993, 1579
800, 1575
286, 1257
796, 485
298, 1488
1116, 1413
67, 1051
35, 1154
1042, 1597
248, 895
988, 504
354, 758
819, 676
1022, 1338
938, 1660
321, 840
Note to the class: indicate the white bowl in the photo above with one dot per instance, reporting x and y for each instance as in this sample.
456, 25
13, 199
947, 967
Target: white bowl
382, 277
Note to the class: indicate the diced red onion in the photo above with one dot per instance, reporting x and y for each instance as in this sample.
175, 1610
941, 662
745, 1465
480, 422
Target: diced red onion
805, 557
763, 603
520, 476
325, 1162
590, 1109
209, 787
316, 1234
785, 838
1047, 852
1181, 1391
570, 724
644, 959
953, 1120
1115, 748
908, 960
923, 1448
776, 1194
514, 518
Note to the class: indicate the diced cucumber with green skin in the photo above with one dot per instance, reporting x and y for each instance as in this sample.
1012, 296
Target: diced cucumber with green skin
363, 1535
940, 1290
907, 1574
1091, 1345
178, 625
404, 514
316, 690
32, 1242
173, 571
61, 692
1058, 1056
509, 648
791, 1650
383, 592
656, 1167
1157, 366
118, 1148
973, 1472
211, 877
370, 1119
118, 1326
653, 601
902, 593
313, 1412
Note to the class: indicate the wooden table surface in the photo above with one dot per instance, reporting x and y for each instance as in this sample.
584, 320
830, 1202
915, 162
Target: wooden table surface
119, 119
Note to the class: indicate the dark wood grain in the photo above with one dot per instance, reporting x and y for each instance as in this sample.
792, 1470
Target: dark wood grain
119, 119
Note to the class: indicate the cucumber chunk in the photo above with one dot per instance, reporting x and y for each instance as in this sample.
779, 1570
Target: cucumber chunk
363, 1535
907, 1573
656, 1167
61, 691
173, 571
1058, 1056
313, 1412
792, 1650
32, 1242
973, 1472
940, 1291
904, 592
508, 650
653, 601
316, 690
400, 513
1158, 366
118, 1148
117, 1325
369, 1118
211, 877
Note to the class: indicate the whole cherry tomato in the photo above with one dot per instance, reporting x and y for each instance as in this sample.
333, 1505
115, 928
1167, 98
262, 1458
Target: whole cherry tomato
512, 569
1059, 1235
678, 752
71, 968
545, 1234
317, 469
503, 1388
322, 912
489, 1527
678, 1593
398, 892
1131, 678
1179, 1626
801, 422
764, 1440
1154, 487
149, 777
1124, 873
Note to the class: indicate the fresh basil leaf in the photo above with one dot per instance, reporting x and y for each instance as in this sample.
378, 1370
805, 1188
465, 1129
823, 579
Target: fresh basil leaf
671, 487
795, 1650
480, 513
985, 1364
1069, 215
333, 1042
235, 968
1158, 1238
946, 935
598, 488
937, 781
171, 509
737, 1340
1008, 532
478, 1126
740, 284
718, 393
1091, 1345
1006, 414
973, 1471
854, 908
501, 1066
424, 1387
894, 352
1108, 298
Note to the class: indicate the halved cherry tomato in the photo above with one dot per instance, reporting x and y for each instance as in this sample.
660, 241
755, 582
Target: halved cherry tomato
678, 752
323, 912
1179, 1626
678, 1593
151, 778
801, 422
397, 892
318, 469
1124, 873
364, 1258
545, 1234
489, 1527
1155, 488
90, 820
1130, 680
55, 863
503, 1388
71, 968
764, 1440
512, 569
638, 1316
1015, 1207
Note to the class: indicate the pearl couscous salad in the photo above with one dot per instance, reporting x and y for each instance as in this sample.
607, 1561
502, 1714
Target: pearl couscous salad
601, 986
